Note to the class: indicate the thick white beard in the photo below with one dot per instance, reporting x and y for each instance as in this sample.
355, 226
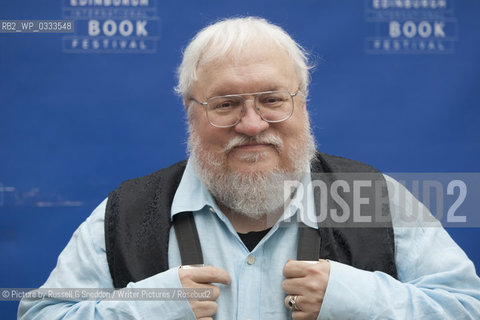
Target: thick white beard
253, 194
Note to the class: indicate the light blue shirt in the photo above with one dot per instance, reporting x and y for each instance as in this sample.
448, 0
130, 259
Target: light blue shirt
436, 280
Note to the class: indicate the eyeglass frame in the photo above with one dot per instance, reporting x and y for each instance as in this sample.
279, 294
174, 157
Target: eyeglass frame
257, 109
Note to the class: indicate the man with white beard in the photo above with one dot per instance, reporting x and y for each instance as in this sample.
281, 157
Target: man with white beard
244, 84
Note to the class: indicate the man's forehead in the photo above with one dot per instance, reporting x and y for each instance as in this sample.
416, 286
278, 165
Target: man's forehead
235, 86
250, 53
232, 86
247, 72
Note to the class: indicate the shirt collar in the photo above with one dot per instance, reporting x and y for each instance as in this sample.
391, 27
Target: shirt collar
192, 195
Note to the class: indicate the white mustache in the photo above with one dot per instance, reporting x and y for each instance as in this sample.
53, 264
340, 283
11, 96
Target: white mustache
267, 138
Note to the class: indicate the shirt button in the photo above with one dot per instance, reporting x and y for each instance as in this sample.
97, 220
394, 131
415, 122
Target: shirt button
251, 259
212, 210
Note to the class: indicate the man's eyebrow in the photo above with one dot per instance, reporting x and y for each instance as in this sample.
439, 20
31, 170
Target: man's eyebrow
230, 91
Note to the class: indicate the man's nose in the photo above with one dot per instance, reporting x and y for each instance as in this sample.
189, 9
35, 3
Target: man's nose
251, 123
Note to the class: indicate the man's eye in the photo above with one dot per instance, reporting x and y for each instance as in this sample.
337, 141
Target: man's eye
224, 105
272, 99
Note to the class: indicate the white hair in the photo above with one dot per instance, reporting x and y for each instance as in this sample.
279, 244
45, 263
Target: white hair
230, 36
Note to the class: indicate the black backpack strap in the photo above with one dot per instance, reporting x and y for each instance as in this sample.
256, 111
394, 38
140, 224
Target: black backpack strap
187, 238
308, 243
191, 250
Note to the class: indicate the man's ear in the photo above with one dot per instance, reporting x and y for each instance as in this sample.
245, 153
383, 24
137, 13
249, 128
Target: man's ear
304, 102
188, 104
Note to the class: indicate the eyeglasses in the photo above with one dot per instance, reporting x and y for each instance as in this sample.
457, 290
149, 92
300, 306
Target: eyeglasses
226, 111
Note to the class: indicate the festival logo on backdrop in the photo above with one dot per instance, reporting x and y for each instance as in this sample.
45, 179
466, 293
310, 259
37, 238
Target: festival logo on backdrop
112, 26
410, 26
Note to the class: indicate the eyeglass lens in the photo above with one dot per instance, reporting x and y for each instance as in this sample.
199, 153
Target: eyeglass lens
273, 106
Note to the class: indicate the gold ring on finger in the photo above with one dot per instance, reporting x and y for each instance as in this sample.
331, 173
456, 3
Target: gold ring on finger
292, 303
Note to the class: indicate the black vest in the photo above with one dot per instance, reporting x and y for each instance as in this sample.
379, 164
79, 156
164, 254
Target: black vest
137, 224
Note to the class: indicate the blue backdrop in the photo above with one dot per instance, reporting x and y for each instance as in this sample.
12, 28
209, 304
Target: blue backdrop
396, 85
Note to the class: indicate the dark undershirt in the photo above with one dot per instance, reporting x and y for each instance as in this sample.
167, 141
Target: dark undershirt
251, 239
